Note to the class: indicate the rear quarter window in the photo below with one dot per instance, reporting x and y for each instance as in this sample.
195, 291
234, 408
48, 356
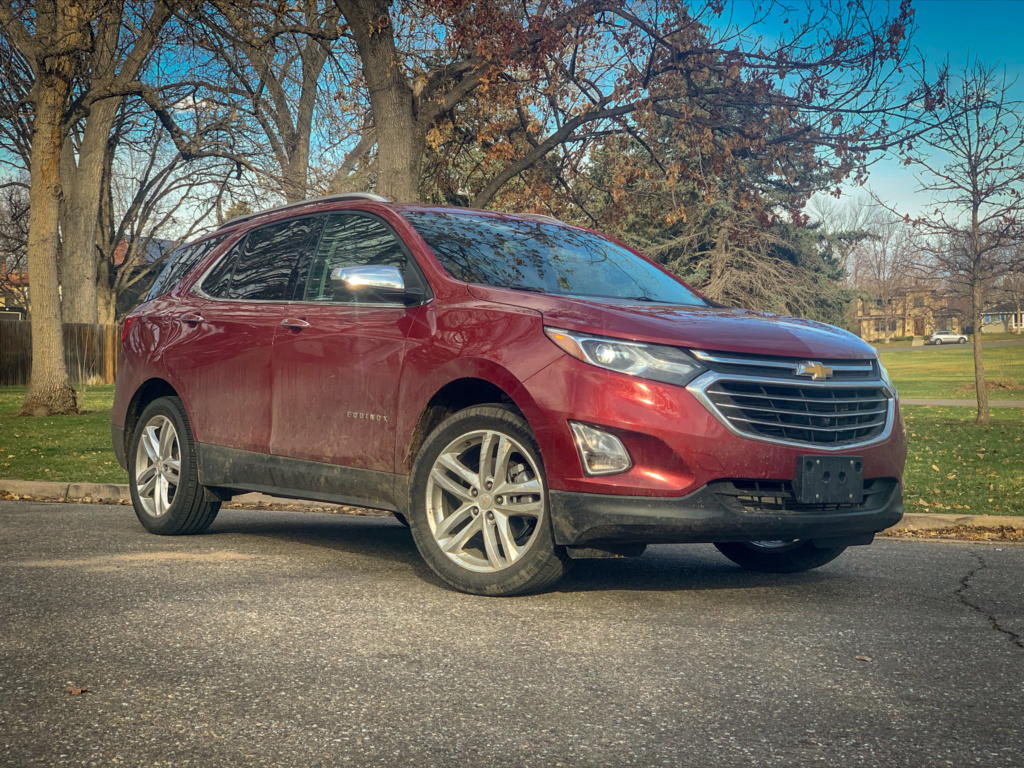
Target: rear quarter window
180, 263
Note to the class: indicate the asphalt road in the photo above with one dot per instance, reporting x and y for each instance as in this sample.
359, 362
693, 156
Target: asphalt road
291, 639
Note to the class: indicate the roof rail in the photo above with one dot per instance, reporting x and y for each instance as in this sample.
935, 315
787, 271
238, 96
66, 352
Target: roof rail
540, 217
308, 201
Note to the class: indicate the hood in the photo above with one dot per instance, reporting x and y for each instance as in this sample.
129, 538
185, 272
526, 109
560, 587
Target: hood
705, 328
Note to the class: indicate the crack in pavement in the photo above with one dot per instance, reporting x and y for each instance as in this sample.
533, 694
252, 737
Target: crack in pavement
1012, 636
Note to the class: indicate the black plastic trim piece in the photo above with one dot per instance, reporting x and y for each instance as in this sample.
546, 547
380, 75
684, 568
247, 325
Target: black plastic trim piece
597, 520
117, 438
300, 479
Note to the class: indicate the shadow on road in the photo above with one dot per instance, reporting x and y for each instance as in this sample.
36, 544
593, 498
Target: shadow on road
383, 541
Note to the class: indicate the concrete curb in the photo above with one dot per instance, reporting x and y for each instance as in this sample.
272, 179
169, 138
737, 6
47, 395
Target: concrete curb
111, 493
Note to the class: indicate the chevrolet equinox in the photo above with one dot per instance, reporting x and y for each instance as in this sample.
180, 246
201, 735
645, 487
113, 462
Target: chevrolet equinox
518, 391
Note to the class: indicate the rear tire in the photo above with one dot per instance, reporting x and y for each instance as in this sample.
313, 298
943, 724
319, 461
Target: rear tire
163, 473
938, 342
779, 556
478, 507
962, 341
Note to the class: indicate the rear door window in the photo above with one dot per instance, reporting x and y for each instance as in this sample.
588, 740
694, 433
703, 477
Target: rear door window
264, 266
180, 263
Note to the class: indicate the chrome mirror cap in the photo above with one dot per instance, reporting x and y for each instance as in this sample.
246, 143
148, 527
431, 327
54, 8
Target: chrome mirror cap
361, 278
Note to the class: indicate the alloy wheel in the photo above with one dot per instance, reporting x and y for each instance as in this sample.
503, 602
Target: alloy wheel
485, 501
158, 465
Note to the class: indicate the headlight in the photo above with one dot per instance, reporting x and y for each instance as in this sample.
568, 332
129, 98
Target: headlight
648, 361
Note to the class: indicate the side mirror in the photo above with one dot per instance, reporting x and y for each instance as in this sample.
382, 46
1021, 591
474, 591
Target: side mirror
380, 282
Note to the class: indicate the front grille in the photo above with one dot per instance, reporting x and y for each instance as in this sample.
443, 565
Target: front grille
804, 414
776, 496
785, 367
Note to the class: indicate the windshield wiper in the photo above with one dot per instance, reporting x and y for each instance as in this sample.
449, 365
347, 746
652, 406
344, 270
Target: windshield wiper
644, 298
530, 288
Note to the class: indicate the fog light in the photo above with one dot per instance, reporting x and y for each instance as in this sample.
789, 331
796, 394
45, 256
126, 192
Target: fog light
602, 453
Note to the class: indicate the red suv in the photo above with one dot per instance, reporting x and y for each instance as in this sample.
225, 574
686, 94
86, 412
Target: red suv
518, 391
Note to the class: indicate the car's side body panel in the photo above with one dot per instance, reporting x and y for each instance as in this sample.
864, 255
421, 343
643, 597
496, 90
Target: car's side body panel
336, 383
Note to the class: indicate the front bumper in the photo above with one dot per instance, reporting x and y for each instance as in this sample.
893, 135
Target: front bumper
599, 520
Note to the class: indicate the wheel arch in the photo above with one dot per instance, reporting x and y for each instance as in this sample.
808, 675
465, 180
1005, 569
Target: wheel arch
150, 390
464, 392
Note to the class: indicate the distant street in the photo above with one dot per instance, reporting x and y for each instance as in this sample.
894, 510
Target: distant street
291, 639
906, 346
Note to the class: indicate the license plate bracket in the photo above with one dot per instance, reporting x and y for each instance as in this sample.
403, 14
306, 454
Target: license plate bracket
829, 479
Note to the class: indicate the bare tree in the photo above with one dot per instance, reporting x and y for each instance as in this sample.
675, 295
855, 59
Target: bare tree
882, 263
152, 197
846, 222
115, 58
268, 62
973, 166
13, 245
50, 37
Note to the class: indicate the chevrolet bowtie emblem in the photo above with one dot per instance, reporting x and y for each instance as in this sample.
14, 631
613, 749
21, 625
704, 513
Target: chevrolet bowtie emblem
816, 371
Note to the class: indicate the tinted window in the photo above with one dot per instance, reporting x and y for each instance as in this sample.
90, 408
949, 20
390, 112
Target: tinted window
543, 257
264, 265
265, 268
351, 240
180, 263
218, 282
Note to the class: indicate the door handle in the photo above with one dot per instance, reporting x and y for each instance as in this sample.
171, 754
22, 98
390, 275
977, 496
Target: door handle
294, 324
192, 318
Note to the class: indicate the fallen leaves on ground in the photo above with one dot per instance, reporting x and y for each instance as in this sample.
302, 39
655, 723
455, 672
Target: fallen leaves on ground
966, 532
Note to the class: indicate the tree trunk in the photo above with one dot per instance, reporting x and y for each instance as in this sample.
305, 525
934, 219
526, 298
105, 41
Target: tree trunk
106, 296
400, 139
49, 390
295, 171
979, 360
81, 215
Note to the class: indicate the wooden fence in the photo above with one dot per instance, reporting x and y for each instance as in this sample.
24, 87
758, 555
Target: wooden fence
90, 352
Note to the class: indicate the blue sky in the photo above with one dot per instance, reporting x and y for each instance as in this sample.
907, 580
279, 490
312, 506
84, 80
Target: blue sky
962, 30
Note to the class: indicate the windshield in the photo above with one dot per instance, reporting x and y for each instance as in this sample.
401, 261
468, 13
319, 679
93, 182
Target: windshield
546, 258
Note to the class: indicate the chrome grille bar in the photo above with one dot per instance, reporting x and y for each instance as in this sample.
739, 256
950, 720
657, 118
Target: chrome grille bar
809, 427
863, 367
823, 415
814, 414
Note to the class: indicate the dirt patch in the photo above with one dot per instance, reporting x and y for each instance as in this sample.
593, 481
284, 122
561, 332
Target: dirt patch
991, 385
112, 562
964, 532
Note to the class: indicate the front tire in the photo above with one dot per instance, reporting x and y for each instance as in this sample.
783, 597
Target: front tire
163, 473
478, 506
779, 556
962, 341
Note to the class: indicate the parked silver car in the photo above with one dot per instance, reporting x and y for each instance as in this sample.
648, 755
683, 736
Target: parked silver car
947, 337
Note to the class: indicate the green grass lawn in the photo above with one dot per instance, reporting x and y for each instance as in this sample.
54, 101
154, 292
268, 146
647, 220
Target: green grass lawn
985, 337
939, 372
59, 448
953, 465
